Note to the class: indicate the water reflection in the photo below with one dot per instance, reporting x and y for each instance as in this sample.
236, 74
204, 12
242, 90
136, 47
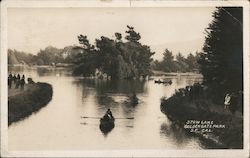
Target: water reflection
114, 95
114, 86
74, 97
175, 132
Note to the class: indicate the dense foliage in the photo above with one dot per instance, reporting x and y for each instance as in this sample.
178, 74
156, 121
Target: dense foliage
48, 56
178, 63
17, 57
221, 60
115, 58
194, 103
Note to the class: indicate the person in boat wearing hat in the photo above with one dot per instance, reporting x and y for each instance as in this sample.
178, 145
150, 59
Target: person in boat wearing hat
108, 115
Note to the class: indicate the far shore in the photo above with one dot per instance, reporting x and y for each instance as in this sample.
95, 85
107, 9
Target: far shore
59, 65
154, 72
162, 73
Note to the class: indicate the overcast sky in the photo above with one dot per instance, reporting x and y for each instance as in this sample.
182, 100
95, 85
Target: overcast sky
179, 29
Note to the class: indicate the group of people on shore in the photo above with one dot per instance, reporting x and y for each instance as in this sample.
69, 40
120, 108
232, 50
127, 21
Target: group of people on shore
16, 80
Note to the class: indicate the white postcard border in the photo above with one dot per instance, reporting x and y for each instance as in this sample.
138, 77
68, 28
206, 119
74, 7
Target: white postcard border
120, 153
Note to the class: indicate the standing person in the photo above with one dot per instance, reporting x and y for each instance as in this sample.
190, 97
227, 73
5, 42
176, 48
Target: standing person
10, 75
227, 101
10, 80
18, 81
14, 78
22, 82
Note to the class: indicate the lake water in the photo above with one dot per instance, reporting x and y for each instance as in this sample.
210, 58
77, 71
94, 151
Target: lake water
59, 126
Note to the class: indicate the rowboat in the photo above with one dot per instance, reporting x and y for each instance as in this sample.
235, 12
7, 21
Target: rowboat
106, 125
164, 82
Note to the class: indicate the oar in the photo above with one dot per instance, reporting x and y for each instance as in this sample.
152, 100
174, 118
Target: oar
90, 117
100, 117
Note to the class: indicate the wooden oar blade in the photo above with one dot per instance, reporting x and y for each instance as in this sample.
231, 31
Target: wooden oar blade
125, 118
90, 117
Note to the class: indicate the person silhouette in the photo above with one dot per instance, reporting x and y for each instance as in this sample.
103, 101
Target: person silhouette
108, 114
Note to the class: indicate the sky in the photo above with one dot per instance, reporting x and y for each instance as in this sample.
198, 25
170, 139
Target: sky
175, 28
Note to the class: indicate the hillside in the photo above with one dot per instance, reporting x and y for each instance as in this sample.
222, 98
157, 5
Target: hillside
12, 60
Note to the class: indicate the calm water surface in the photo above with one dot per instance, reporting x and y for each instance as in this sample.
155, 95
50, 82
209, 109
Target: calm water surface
59, 126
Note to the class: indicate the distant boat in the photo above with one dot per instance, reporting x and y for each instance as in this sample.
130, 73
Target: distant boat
164, 82
106, 125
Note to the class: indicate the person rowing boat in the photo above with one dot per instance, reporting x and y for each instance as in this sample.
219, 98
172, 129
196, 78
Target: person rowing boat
108, 114
107, 122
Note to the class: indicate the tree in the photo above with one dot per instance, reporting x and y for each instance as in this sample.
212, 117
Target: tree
12, 59
191, 61
118, 59
118, 36
108, 56
132, 35
83, 40
221, 59
181, 61
50, 55
168, 61
88, 60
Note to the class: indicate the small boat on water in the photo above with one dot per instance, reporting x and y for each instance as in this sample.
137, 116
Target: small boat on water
107, 124
164, 82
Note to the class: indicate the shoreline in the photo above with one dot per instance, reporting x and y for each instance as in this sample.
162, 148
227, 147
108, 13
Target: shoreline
23, 104
154, 72
180, 109
176, 74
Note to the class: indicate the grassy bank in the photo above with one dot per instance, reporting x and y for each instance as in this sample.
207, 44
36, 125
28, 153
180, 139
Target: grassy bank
23, 103
195, 104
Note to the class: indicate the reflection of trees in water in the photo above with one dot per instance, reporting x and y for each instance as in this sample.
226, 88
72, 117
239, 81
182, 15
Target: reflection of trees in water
42, 71
175, 132
115, 86
105, 89
106, 100
115, 95
129, 106
52, 71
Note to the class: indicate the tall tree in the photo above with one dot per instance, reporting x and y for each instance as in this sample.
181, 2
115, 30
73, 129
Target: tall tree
191, 61
181, 63
221, 59
116, 58
108, 54
168, 61
132, 35
87, 61
118, 36
83, 40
